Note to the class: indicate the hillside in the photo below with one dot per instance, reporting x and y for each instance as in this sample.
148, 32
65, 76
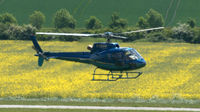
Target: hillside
175, 10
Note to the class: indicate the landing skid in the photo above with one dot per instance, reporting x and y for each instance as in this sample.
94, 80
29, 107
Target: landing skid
114, 76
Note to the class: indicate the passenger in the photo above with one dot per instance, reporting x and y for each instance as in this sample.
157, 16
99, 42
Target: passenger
89, 47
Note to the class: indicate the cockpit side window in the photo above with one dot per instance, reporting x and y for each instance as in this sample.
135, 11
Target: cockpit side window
132, 55
127, 53
136, 53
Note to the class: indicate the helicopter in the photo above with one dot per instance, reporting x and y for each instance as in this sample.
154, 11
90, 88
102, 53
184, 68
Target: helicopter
119, 61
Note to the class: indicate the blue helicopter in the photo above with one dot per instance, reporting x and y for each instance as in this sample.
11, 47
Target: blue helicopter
105, 55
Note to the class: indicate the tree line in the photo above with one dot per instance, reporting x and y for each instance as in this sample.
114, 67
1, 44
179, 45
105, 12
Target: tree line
64, 22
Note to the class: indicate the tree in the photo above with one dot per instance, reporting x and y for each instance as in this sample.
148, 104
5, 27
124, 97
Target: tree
154, 18
37, 19
117, 22
63, 19
142, 23
7, 18
191, 22
93, 23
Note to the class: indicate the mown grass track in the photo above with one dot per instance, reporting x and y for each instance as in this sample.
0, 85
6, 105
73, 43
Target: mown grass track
99, 104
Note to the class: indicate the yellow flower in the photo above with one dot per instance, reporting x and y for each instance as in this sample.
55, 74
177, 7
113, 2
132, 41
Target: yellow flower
172, 70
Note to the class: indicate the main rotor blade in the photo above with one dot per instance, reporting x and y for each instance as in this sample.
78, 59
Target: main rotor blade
143, 30
68, 34
118, 37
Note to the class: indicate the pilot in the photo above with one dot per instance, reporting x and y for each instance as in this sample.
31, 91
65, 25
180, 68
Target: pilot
89, 47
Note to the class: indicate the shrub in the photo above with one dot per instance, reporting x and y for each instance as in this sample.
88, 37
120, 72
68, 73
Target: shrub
3, 34
28, 30
134, 36
158, 37
17, 32
37, 19
63, 19
68, 38
182, 32
196, 38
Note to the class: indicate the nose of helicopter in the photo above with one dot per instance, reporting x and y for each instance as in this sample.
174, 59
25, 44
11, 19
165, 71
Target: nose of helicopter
141, 62
138, 63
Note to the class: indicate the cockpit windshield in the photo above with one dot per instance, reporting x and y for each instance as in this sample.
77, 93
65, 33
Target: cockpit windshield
133, 54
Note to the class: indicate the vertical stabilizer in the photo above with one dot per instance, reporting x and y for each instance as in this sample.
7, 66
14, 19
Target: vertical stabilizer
39, 51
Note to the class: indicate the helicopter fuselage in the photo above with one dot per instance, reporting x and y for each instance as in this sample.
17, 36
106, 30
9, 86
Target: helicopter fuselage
108, 56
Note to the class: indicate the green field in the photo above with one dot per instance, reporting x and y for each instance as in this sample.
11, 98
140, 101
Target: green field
81, 9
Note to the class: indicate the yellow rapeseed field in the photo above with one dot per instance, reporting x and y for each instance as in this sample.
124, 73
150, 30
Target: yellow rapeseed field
173, 70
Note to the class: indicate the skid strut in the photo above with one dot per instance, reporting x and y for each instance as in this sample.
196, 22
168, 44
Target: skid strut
114, 76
